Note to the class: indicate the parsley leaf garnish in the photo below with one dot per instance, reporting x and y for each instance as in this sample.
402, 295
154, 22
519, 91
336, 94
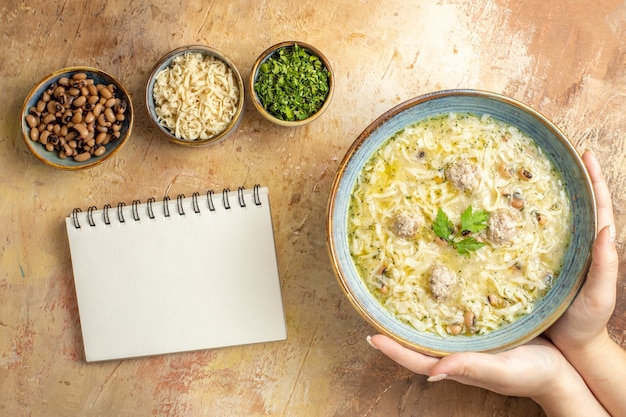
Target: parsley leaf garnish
471, 222
467, 245
443, 227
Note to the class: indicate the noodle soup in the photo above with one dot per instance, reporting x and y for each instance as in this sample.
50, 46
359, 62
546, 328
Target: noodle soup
458, 224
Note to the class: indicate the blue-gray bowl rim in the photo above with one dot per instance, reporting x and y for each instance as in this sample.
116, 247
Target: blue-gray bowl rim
559, 149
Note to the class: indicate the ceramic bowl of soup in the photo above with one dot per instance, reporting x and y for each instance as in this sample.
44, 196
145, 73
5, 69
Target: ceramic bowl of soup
461, 220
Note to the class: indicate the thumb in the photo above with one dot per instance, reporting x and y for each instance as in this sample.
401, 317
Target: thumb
506, 373
478, 369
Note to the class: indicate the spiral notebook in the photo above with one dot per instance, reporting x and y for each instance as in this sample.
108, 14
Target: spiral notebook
176, 275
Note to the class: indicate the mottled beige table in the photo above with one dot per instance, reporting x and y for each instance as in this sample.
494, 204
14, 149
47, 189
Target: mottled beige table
566, 58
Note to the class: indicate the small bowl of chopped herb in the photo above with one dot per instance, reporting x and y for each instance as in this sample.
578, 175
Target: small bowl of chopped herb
291, 83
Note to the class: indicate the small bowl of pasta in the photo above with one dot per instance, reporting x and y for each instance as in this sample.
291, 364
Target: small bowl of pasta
195, 96
461, 220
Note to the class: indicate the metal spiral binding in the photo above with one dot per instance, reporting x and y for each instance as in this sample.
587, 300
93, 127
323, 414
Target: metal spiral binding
255, 194
166, 210
105, 214
242, 202
135, 211
75, 218
225, 199
149, 203
194, 203
120, 212
179, 204
90, 216
209, 199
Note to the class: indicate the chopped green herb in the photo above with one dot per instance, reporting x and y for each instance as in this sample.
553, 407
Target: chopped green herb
471, 222
292, 84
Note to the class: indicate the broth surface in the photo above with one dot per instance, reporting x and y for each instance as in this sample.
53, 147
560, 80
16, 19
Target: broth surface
454, 163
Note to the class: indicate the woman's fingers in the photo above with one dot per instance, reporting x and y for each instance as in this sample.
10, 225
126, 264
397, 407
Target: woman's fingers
604, 262
596, 301
586, 318
515, 372
601, 191
408, 358
508, 372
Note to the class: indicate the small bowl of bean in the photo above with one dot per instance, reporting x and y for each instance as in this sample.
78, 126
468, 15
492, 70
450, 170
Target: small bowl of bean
76, 118
195, 96
291, 83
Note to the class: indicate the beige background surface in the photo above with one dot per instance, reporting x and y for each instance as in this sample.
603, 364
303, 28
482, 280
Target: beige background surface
565, 58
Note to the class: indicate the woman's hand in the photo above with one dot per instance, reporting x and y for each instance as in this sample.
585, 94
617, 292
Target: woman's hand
581, 332
537, 370
584, 322
526, 371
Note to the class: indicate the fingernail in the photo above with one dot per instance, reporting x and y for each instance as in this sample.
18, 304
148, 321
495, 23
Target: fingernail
369, 341
437, 378
612, 233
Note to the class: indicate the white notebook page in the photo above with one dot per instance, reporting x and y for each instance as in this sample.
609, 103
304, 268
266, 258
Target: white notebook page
178, 283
